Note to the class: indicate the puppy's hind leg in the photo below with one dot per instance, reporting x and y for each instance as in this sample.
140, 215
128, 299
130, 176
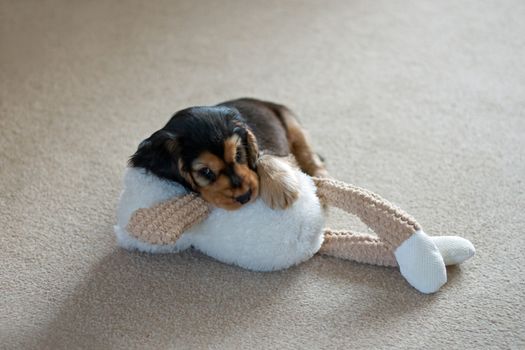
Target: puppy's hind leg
300, 147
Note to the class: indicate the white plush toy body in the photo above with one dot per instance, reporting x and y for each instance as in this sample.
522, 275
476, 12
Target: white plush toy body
262, 239
256, 237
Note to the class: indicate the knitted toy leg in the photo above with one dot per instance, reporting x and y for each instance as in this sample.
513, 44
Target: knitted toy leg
165, 222
390, 223
368, 249
419, 259
358, 247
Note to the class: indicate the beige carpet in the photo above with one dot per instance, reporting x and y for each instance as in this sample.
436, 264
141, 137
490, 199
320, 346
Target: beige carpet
422, 102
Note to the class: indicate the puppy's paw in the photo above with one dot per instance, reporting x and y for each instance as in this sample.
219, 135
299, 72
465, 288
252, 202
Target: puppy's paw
321, 172
318, 168
279, 186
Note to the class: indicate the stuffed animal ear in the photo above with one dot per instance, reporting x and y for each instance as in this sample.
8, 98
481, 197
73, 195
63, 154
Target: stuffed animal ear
165, 222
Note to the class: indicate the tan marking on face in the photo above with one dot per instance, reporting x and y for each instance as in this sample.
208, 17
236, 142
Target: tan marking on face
206, 160
209, 160
230, 148
219, 192
250, 180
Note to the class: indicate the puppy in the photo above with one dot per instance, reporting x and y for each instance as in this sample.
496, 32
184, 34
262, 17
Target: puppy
232, 152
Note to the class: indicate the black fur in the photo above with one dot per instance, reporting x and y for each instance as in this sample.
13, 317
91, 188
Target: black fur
188, 133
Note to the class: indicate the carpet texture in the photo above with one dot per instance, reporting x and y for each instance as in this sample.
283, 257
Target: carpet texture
422, 102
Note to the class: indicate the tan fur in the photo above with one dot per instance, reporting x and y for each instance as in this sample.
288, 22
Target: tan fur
278, 183
253, 149
207, 159
230, 148
308, 160
220, 193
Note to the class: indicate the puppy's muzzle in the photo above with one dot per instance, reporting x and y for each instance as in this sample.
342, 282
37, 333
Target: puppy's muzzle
244, 198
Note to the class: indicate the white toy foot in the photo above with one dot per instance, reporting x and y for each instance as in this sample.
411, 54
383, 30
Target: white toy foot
421, 263
454, 249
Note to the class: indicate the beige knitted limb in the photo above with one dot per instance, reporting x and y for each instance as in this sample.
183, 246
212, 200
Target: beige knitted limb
165, 222
392, 225
399, 235
358, 247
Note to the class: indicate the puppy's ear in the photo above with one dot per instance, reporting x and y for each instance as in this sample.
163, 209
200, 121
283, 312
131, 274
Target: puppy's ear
250, 142
158, 153
252, 148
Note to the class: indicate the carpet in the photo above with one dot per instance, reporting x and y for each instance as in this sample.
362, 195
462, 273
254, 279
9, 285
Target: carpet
422, 102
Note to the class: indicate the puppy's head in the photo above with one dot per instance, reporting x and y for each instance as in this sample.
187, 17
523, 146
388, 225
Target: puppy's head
209, 149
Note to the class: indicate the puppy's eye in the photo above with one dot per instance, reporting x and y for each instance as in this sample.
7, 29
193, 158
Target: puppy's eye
207, 174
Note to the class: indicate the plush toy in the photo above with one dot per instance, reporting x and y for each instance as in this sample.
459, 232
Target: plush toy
160, 216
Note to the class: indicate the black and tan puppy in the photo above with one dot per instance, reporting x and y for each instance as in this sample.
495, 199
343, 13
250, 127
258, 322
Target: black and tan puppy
231, 153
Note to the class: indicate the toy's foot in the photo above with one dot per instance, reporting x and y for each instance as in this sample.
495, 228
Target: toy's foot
421, 263
454, 249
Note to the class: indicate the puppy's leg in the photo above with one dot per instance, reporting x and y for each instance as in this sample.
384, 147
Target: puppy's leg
308, 160
278, 184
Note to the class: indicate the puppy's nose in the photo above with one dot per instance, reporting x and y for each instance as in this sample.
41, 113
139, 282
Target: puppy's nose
244, 198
